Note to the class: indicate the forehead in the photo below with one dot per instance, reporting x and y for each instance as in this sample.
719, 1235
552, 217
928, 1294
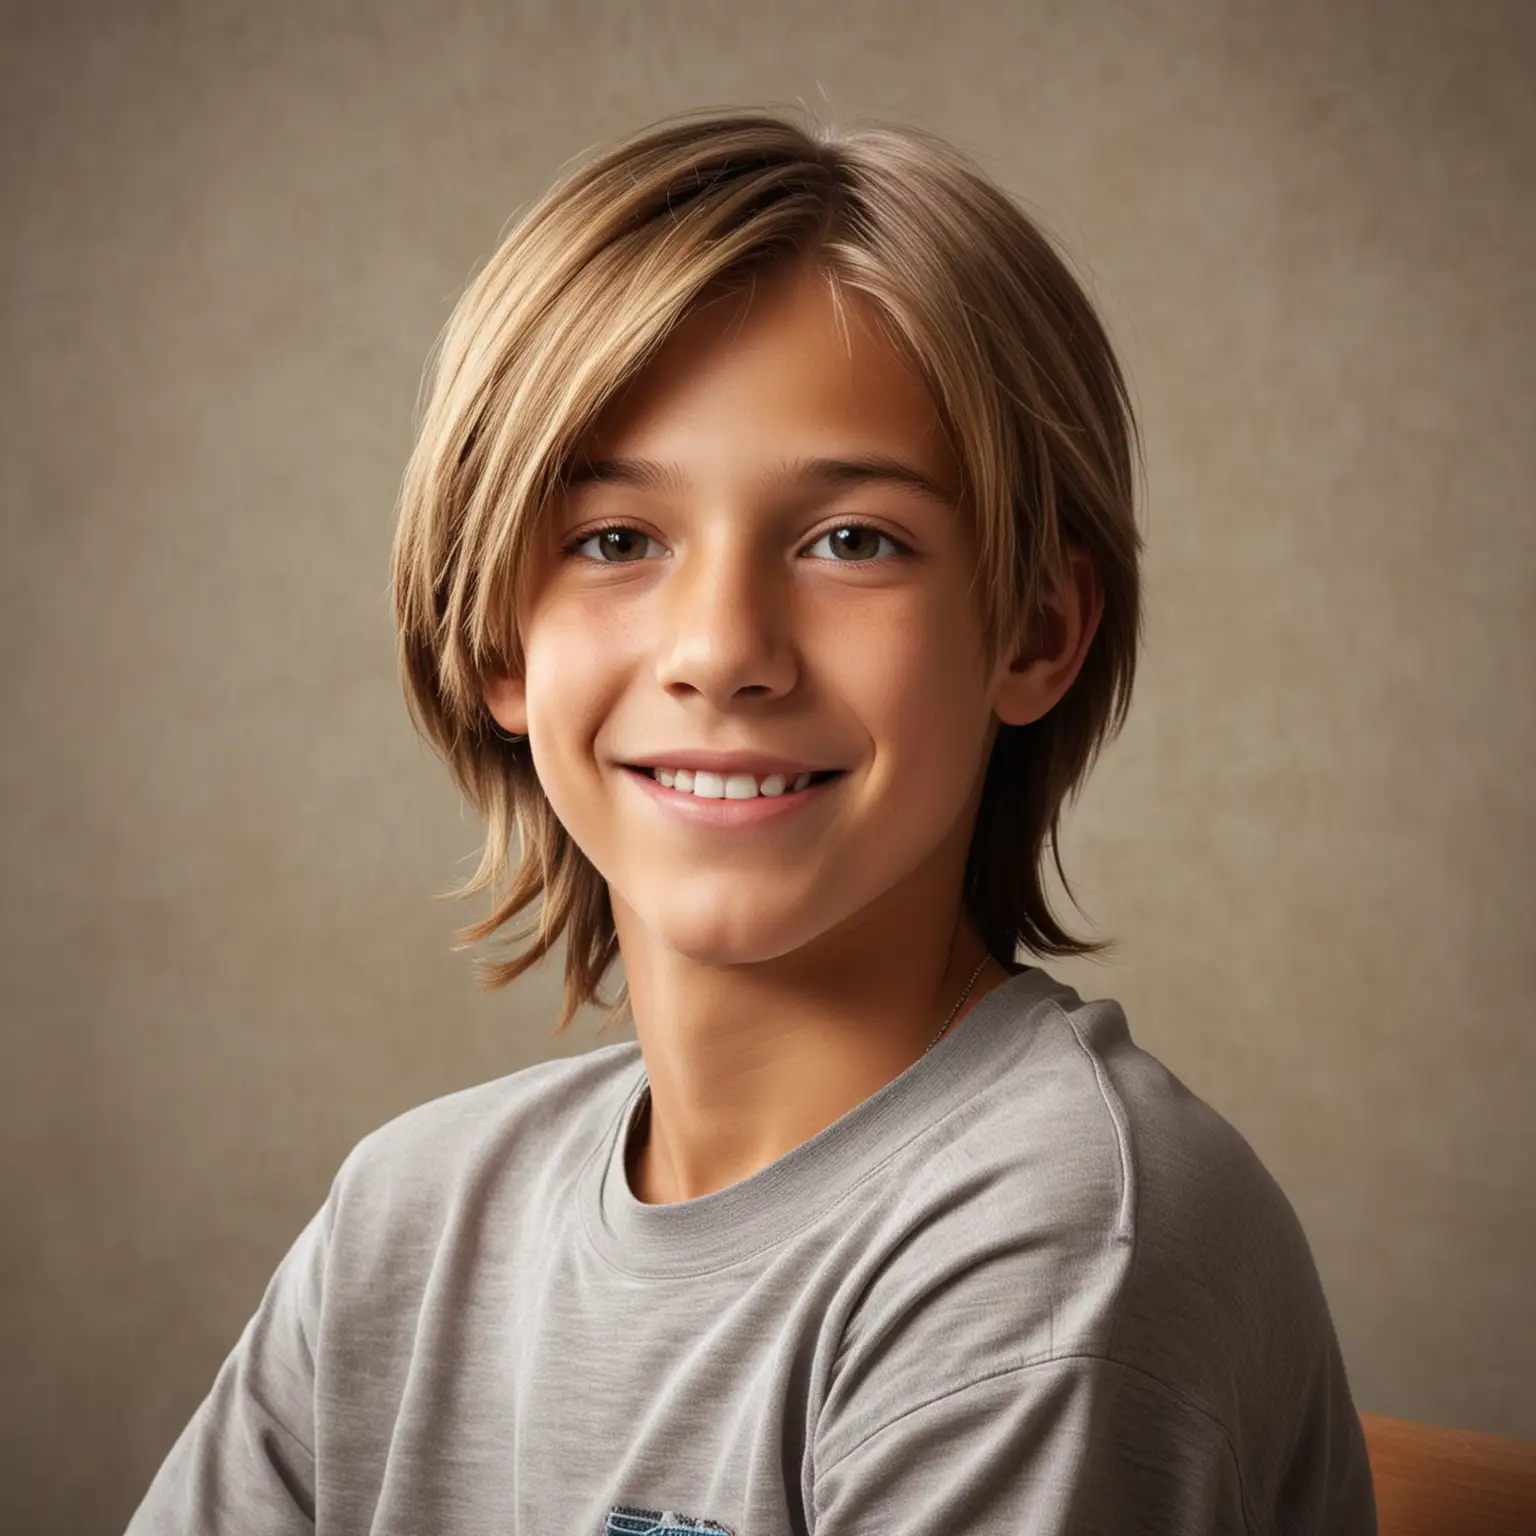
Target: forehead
775, 372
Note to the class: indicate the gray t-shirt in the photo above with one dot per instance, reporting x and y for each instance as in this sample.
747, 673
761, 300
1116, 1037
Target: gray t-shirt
1033, 1284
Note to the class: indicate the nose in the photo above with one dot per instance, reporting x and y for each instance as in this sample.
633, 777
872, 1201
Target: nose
727, 627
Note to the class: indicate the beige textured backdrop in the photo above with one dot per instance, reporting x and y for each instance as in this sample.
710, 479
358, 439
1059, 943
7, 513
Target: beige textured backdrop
231, 233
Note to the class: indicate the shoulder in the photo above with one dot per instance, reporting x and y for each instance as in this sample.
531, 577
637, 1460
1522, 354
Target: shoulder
1086, 1125
1186, 1176
1220, 1300
1082, 1201
1210, 1236
1079, 1210
1073, 1134
515, 1128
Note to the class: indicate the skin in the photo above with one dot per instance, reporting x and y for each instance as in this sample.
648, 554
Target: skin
779, 975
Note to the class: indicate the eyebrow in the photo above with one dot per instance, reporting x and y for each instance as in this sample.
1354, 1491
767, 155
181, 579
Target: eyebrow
807, 473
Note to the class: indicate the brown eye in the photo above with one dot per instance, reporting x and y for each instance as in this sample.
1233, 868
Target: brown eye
613, 546
856, 543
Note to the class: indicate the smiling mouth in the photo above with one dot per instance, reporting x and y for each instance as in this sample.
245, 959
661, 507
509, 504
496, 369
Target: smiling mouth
733, 786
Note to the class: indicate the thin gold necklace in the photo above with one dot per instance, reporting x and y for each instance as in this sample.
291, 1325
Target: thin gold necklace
980, 964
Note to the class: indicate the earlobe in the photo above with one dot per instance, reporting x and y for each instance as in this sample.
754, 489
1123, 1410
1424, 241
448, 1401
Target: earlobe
1036, 676
506, 698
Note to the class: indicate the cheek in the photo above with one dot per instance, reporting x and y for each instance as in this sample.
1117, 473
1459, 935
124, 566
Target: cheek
576, 658
921, 689
576, 667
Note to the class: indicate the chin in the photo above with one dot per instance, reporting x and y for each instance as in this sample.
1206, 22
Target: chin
714, 934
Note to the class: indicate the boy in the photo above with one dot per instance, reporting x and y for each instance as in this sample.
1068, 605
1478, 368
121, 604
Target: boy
767, 562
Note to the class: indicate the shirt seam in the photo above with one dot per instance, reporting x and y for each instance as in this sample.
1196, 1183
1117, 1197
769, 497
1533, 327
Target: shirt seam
1251, 1525
1126, 1230
1125, 1223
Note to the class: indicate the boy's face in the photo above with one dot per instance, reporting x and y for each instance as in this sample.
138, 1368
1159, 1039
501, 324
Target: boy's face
736, 611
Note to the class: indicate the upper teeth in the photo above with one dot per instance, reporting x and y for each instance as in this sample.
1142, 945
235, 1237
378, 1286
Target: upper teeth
727, 786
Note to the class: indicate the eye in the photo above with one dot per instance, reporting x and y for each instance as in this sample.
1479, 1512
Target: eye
856, 543
614, 545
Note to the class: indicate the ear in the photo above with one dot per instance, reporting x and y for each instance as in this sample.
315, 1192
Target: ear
1033, 680
506, 697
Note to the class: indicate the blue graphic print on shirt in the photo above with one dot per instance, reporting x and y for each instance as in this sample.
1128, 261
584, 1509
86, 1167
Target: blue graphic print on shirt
624, 1521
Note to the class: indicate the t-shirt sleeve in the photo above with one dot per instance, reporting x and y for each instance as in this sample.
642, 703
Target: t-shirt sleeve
1064, 1447
246, 1460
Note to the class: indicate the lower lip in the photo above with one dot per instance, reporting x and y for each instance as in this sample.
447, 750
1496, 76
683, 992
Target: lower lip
756, 812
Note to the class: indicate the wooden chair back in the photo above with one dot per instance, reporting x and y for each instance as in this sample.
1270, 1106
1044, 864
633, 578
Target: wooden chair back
1449, 1482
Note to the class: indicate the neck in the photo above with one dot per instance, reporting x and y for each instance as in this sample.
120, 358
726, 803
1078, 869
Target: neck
746, 1062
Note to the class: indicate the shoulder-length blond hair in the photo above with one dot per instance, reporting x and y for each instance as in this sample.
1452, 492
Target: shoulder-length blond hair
582, 293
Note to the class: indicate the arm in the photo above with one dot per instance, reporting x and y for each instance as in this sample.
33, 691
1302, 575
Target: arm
1064, 1447
245, 1462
